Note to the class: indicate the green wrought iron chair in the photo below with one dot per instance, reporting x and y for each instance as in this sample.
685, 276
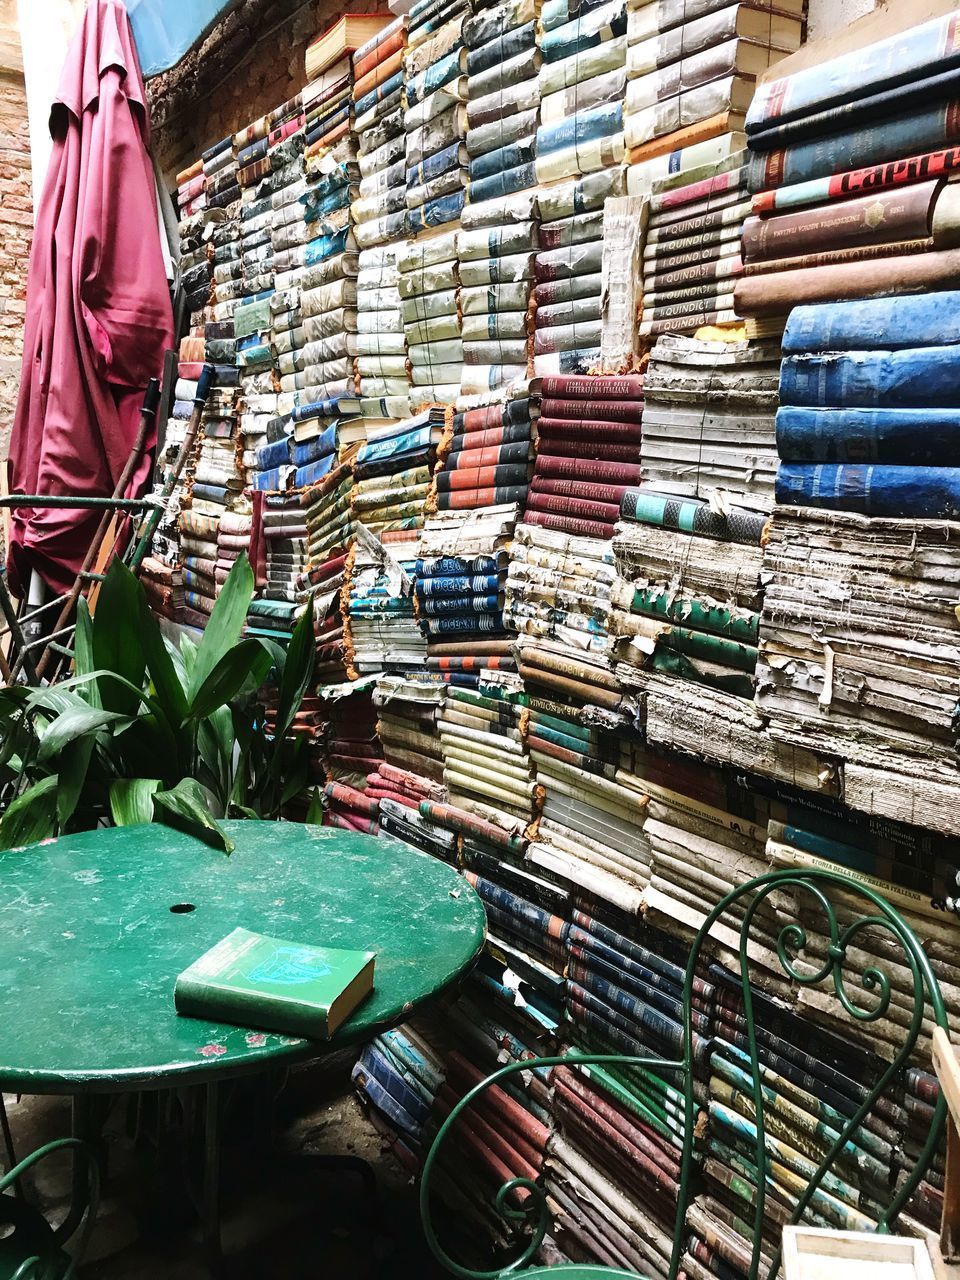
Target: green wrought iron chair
531, 1218
30, 1249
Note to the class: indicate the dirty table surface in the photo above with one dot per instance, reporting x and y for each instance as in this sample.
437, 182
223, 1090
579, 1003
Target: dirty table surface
95, 928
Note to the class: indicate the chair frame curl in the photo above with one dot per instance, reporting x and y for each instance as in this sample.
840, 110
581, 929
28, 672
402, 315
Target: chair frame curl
792, 938
80, 1218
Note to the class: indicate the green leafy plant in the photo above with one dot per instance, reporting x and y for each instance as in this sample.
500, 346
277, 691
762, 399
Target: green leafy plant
148, 731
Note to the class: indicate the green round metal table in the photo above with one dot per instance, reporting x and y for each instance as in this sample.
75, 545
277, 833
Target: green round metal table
95, 928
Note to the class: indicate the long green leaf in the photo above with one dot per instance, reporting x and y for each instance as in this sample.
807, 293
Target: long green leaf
297, 672
131, 800
223, 631
187, 807
83, 659
117, 639
32, 816
316, 811
169, 688
77, 722
226, 679
72, 777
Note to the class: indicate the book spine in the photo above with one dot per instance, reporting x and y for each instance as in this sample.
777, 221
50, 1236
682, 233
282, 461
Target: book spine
896, 60
890, 215
922, 437
923, 493
918, 321
776, 293
857, 182
914, 376
839, 257
927, 128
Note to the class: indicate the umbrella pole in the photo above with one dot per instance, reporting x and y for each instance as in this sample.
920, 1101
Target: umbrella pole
173, 475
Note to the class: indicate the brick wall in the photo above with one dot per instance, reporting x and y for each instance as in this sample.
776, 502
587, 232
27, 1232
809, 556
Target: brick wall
253, 61
16, 215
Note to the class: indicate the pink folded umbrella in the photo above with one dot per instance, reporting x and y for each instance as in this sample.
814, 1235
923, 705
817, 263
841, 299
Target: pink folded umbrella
98, 305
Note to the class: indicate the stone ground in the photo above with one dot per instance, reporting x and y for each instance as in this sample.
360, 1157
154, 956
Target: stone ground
275, 1224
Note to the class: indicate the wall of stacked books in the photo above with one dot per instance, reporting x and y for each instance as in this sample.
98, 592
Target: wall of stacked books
591, 380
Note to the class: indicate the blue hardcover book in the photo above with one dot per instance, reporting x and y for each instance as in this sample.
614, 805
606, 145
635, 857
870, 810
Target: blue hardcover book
435, 77
599, 122
456, 584
923, 129
883, 104
326, 246
319, 447
508, 157
875, 324
404, 1048
503, 184
314, 471
335, 406
921, 437
402, 1069
277, 478
922, 493
436, 606
898, 59
398, 442
384, 1101
273, 455
457, 623
916, 377
330, 203
436, 213
434, 166
318, 128
585, 32
443, 566
377, 1064
382, 91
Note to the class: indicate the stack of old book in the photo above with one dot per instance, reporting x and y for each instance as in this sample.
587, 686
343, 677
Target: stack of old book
691, 259
381, 344
858, 653
398, 1077
382, 633
849, 202
659, 536
498, 238
588, 453
568, 270
486, 764
461, 573
613, 1165
284, 532
487, 457
870, 416
409, 707
436, 124
708, 421
191, 189
495, 248
692, 67
220, 169
392, 475
582, 79
400, 794
687, 605
351, 748
379, 212
428, 285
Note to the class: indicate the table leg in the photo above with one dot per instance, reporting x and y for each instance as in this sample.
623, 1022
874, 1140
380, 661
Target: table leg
210, 1221
84, 1127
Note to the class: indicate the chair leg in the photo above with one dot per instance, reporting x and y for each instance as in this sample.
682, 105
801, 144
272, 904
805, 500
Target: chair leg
8, 1143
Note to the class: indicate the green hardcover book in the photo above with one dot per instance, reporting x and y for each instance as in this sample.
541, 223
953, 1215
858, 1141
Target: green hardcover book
274, 985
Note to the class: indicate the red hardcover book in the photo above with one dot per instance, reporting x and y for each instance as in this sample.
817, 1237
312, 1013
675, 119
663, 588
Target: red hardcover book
570, 524
580, 508
586, 470
583, 387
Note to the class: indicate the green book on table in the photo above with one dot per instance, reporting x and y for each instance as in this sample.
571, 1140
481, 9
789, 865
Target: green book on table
274, 985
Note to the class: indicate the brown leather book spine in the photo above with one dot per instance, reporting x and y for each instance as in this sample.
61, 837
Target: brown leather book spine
779, 292
836, 257
900, 214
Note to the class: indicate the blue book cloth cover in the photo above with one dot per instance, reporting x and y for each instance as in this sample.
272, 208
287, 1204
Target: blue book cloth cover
921, 493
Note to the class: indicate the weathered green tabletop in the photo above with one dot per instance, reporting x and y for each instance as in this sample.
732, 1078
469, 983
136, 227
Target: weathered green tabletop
94, 929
